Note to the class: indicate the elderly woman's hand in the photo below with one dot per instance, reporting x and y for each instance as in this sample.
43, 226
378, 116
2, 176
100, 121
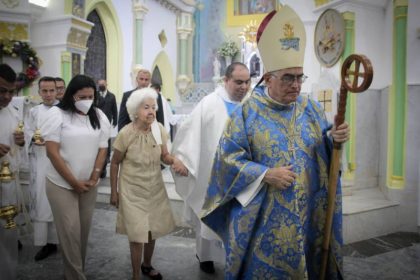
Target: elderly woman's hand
113, 200
179, 167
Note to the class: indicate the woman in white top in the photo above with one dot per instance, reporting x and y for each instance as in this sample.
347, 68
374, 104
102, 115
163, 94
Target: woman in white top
76, 135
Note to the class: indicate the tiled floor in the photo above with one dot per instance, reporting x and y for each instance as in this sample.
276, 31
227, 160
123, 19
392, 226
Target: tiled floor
395, 256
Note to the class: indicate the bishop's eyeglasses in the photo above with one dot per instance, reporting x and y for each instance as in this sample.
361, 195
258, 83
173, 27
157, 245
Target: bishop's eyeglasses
289, 79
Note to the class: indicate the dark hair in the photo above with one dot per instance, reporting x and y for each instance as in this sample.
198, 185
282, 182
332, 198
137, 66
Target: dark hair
46, 79
67, 103
156, 87
232, 67
58, 79
7, 73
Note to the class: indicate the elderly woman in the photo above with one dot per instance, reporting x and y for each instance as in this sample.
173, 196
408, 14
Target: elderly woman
144, 212
76, 135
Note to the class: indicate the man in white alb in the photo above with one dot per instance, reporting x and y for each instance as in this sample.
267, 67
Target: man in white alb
195, 145
44, 230
11, 143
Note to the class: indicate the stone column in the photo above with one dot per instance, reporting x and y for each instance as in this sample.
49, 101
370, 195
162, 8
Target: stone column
184, 30
140, 11
82, 63
66, 66
350, 146
398, 98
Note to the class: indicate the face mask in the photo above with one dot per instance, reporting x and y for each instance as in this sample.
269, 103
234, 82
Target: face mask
83, 105
101, 88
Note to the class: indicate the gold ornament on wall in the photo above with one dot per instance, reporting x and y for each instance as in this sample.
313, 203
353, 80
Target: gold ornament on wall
11, 3
249, 33
329, 37
162, 38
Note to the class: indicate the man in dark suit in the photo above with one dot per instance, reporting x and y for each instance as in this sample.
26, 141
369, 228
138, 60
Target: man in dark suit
60, 84
143, 80
108, 104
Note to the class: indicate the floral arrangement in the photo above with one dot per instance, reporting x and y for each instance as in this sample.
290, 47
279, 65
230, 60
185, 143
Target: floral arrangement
228, 48
29, 59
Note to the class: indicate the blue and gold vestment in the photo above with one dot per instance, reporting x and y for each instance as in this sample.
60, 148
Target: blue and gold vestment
278, 235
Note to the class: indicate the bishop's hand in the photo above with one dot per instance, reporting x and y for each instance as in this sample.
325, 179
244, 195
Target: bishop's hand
280, 177
341, 134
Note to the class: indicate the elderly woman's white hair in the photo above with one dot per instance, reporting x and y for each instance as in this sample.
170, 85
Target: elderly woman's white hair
137, 97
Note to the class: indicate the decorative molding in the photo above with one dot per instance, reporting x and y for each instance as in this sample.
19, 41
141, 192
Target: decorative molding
179, 6
81, 23
190, 2
66, 56
184, 25
67, 19
78, 8
183, 34
17, 16
140, 10
77, 38
10, 4
336, 4
183, 82
14, 31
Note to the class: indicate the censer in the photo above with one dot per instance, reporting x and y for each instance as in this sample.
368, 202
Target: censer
10, 211
37, 137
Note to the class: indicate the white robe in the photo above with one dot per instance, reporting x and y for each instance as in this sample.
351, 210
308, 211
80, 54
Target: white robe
40, 209
195, 145
9, 119
167, 114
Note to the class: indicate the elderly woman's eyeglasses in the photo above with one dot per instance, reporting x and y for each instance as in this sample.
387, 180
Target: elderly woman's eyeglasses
289, 79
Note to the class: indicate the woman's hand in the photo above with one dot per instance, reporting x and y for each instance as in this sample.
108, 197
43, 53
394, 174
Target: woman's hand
114, 199
92, 182
280, 177
179, 167
81, 187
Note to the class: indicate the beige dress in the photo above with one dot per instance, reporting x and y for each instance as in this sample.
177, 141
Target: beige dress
143, 201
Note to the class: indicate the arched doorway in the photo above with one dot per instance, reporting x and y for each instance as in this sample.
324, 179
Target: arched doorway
162, 70
114, 46
95, 62
156, 77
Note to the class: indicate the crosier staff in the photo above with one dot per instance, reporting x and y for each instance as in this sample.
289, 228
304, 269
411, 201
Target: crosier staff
349, 82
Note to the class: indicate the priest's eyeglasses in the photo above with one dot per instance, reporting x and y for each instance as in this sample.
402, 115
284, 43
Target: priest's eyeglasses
289, 79
4, 90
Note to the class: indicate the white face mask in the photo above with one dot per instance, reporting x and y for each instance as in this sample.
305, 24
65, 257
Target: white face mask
83, 105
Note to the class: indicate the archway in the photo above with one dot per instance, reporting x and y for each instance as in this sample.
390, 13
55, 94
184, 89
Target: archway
95, 62
166, 73
156, 76
113, 36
